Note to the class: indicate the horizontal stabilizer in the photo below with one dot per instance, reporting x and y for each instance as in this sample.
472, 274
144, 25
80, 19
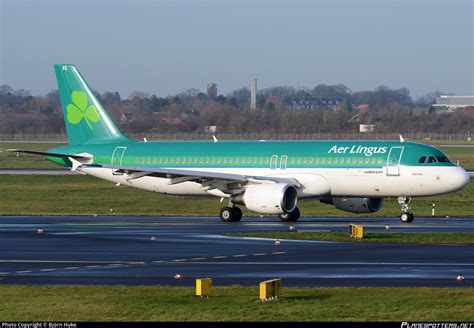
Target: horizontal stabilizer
40, 153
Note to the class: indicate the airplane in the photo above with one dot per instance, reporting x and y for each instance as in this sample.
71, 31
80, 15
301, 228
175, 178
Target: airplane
267, 177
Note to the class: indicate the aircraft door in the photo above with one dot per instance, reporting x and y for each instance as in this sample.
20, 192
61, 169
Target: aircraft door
274, 162
283, 160
117, 157
393, 161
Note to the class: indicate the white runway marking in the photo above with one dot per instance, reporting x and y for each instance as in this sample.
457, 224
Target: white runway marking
61, 261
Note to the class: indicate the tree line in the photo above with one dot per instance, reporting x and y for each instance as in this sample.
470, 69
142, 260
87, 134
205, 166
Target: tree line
390, 110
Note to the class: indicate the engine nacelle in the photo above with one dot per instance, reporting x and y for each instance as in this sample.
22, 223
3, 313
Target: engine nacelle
271, 198
356, 205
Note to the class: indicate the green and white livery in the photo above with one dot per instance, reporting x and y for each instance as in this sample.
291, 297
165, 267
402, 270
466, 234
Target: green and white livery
267, 177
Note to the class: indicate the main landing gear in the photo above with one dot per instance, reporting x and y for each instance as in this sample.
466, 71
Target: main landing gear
234, 214
406, 216
291, 216
231, 214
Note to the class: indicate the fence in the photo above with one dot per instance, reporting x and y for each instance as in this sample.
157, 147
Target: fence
57, 137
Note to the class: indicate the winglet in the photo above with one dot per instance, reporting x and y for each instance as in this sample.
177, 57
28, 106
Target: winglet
215, 139
401, 138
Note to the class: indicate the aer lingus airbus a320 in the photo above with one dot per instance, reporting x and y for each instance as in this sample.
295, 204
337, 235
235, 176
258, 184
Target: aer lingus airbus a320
266, 177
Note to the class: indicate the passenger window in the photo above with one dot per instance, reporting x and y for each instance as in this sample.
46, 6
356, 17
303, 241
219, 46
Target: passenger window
316, 160
354, 160
431, 159
304, 161
160, 160
298, 160
201, 160
310, 161
166, 160
154, 160
323, 160
142, 160
213, 160
361, 160
366, 161
218, 160
329, 160
207, 160
137, 160
335, 161
422, 160
372, 161
348, 160
379, 161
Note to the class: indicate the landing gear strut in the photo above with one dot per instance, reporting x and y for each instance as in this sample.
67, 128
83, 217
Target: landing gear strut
406, 216
291, 216
231, 214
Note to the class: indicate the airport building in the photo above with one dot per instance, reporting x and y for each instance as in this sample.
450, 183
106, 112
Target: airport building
449, 104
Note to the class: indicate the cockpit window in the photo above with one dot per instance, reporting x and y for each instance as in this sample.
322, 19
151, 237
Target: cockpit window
442, 159
422, 159
431, 159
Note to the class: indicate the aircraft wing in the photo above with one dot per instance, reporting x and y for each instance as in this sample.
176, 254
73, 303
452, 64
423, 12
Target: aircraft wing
226, 182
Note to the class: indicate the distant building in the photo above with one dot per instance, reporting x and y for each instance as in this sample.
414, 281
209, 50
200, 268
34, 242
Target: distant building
253, 94
449, 104
212, 129
360, 107
312, 103
212, 90
366, 128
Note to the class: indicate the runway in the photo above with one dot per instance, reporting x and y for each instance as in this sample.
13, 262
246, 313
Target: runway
151, 250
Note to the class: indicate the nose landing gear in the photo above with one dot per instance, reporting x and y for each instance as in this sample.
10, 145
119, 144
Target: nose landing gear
406, 215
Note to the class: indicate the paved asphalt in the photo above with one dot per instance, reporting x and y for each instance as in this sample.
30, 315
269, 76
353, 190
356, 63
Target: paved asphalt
151, 250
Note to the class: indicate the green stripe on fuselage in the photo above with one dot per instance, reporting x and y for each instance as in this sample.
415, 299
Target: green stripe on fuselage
258, 154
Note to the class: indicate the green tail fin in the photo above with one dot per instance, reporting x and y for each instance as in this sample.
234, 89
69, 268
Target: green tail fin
86, 119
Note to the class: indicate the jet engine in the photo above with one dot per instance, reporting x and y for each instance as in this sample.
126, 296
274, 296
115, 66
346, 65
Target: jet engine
355, 205
271, 198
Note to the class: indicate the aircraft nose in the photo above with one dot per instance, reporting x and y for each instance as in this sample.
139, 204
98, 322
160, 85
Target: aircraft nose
459, 179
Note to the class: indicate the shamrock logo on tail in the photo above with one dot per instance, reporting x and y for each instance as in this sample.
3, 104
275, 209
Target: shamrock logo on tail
79, 110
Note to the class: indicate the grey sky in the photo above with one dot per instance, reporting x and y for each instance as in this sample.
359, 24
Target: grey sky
164, 47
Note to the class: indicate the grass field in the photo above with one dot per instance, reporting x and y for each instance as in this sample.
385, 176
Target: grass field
371, 237
464, 155
84, 195
120, 303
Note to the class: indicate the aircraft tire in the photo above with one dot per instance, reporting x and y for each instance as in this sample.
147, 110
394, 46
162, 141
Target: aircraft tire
227, 214
290, 217
406, 217
237, 215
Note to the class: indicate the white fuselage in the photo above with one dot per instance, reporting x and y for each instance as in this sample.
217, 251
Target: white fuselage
316, 182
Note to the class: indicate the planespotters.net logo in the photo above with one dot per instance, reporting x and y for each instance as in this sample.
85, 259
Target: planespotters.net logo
79, 110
